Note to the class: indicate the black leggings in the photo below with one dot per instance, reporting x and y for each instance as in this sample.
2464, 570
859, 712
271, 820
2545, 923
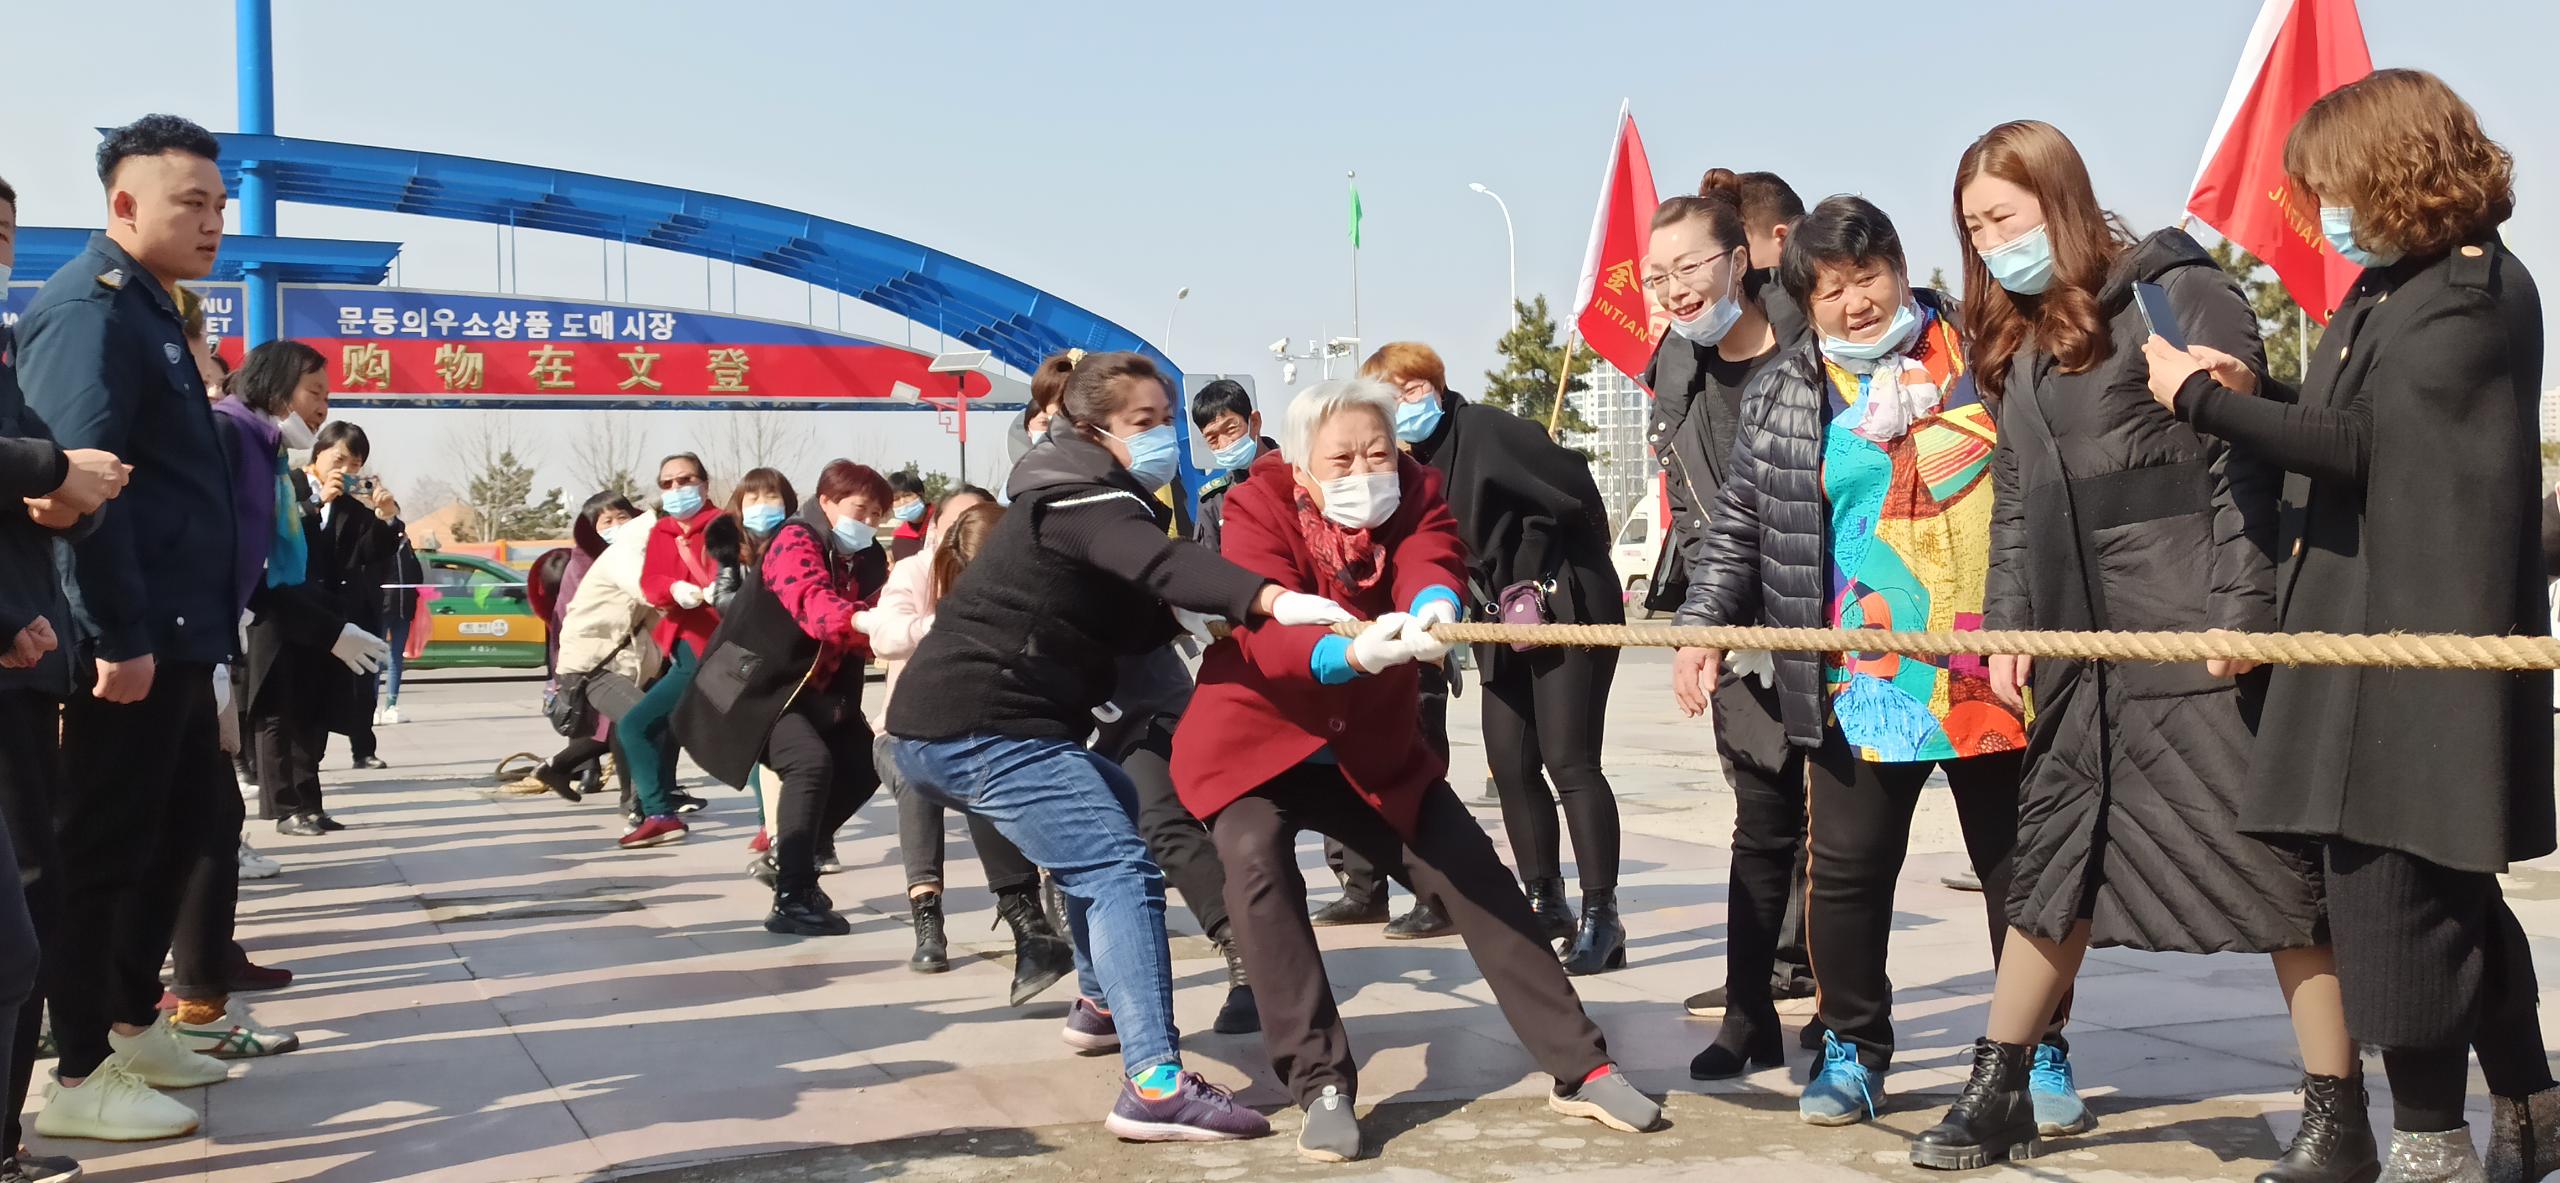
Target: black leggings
1143, 748
822, 750
921, 842
1544, 715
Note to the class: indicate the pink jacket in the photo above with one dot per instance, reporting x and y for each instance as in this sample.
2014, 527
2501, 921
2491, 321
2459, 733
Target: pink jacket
898, 623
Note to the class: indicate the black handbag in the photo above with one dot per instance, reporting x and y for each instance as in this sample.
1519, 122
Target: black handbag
569, 703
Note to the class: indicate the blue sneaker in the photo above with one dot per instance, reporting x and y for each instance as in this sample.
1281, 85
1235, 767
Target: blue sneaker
2059, 1109
1843, 1091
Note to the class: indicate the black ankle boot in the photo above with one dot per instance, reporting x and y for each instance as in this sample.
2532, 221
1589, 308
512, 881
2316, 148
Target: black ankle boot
806, 914
1040, 955
1601, 945
2524, 1136
1992, 1121
933, 950
1421, 924
1742, 1046
1239, 1016
1555, 917
2335, 1143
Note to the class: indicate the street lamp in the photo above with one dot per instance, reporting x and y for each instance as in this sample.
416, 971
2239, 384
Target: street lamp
954, 407
1511, 247
1179, 295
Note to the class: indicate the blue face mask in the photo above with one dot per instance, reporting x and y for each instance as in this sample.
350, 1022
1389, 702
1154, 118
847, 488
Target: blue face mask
853, 535
761, 519
2338, 223
1416, 421
1153, 456
1906, 321
910, 513
2023, 264
681, 502
607, 532
1235, 456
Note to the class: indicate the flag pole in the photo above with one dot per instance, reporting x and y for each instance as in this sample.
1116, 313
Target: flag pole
1353, 175
1564, 378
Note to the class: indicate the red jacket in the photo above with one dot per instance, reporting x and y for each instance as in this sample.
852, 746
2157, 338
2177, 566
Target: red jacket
1260, 710
676, 555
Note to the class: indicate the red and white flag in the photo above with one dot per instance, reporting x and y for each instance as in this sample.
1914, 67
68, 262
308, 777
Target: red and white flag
1609, 306
2299, 51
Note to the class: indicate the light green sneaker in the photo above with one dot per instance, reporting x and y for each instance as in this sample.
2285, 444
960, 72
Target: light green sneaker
235, 1036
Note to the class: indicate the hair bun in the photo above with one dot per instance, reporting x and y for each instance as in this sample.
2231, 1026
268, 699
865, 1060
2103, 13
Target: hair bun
1721, 182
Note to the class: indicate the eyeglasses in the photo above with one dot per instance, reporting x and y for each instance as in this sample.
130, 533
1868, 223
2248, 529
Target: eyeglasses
679, 482
1689, 274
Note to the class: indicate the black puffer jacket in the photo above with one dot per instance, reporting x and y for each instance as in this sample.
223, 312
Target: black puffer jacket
1766, 558
2108, 513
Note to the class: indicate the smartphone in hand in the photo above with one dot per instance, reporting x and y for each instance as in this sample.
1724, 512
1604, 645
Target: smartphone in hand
2157, 315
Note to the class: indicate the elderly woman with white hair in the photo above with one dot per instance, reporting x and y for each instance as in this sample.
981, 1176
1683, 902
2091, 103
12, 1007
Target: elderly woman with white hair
1296, 727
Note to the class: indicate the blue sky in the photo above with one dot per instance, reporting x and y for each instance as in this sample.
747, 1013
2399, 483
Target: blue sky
1114, 152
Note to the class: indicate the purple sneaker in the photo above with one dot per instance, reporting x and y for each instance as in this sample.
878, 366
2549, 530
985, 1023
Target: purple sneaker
1090, 1029
1198, 1111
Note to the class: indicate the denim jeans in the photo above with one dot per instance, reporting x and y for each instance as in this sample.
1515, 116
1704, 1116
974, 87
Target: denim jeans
1076, 814
397, 634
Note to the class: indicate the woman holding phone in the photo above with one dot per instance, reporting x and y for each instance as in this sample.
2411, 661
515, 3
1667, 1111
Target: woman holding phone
2110, 514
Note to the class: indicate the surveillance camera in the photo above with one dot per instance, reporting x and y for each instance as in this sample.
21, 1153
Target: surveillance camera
1280, 347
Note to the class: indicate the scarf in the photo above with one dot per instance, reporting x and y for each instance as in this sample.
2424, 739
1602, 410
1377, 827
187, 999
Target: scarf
289, 558
1900, 390
1351, 561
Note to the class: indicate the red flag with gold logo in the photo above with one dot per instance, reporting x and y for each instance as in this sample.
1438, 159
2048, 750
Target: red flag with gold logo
1609, 307
2298, 51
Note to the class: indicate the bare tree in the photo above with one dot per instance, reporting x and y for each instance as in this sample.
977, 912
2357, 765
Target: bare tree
605, 454
740, 440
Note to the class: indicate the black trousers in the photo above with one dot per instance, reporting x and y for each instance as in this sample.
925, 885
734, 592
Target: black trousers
1764, 888
1857, 830
289, 714
30, 785
1449, 861
1361, 881
1544, 714
201, 950
145, 800
1180, 844
821, 748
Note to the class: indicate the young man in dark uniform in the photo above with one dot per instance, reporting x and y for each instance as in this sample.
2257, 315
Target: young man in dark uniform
154, 608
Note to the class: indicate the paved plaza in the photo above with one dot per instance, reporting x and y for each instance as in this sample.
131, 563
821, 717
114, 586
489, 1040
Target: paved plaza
489, 992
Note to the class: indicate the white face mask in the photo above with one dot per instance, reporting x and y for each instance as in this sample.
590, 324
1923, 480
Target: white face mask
1713, 321
4, 275
1361, 501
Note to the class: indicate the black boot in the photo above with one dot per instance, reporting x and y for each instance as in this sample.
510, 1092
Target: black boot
1601, 945
1555, 917
933, 952
2335, 1143
1992, 1121
1741, 1046
806, 914
1040, 955
1053, 903
1421, 924
2524, 1136
1239, 1016
1348, 911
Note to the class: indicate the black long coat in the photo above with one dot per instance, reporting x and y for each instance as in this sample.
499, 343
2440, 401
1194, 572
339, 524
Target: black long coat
2409, 506
2108, 513
758, 664
297, 625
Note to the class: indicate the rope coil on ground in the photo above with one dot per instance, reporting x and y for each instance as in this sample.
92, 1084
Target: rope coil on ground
2396, 650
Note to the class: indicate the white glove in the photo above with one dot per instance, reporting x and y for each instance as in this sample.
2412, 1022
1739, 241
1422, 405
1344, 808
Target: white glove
686, 595
862, 621
1753, 663
1301, 608
362, 651
1416, 637
1438, 611
1195, 624
1381, 646
222, 688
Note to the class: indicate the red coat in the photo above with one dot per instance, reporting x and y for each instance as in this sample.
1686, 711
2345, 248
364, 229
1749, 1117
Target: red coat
1260, 711
676, 555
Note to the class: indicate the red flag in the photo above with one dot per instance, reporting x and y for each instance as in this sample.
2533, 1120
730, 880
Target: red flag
2299, 51
1609, 305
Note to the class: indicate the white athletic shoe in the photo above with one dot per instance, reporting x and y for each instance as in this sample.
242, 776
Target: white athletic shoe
235, 1036
254, 865
112, 1105
391, 716
163, 1061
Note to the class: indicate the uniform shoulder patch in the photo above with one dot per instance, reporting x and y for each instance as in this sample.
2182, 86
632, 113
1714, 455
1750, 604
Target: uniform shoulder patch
112, 279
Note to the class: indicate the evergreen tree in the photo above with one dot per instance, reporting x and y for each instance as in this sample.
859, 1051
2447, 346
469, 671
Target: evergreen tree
501, 497
1526, 383
2285, 327
937, 485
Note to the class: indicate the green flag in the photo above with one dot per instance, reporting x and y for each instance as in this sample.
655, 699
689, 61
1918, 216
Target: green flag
1355, 215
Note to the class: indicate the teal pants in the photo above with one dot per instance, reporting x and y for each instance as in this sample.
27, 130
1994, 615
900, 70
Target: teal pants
649, 737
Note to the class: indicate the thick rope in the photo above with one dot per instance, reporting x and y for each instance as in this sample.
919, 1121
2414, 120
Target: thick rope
2402, 650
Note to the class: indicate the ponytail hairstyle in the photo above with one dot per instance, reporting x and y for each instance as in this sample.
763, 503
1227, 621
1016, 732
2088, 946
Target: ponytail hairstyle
2087, 241
1719, 201
962, 537
1049, 385
1100, 384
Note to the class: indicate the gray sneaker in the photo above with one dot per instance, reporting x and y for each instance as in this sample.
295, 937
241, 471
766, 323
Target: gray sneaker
1332, 1133
1609, 1100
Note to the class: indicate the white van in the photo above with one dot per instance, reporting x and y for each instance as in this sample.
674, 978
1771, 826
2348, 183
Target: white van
1638, 549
